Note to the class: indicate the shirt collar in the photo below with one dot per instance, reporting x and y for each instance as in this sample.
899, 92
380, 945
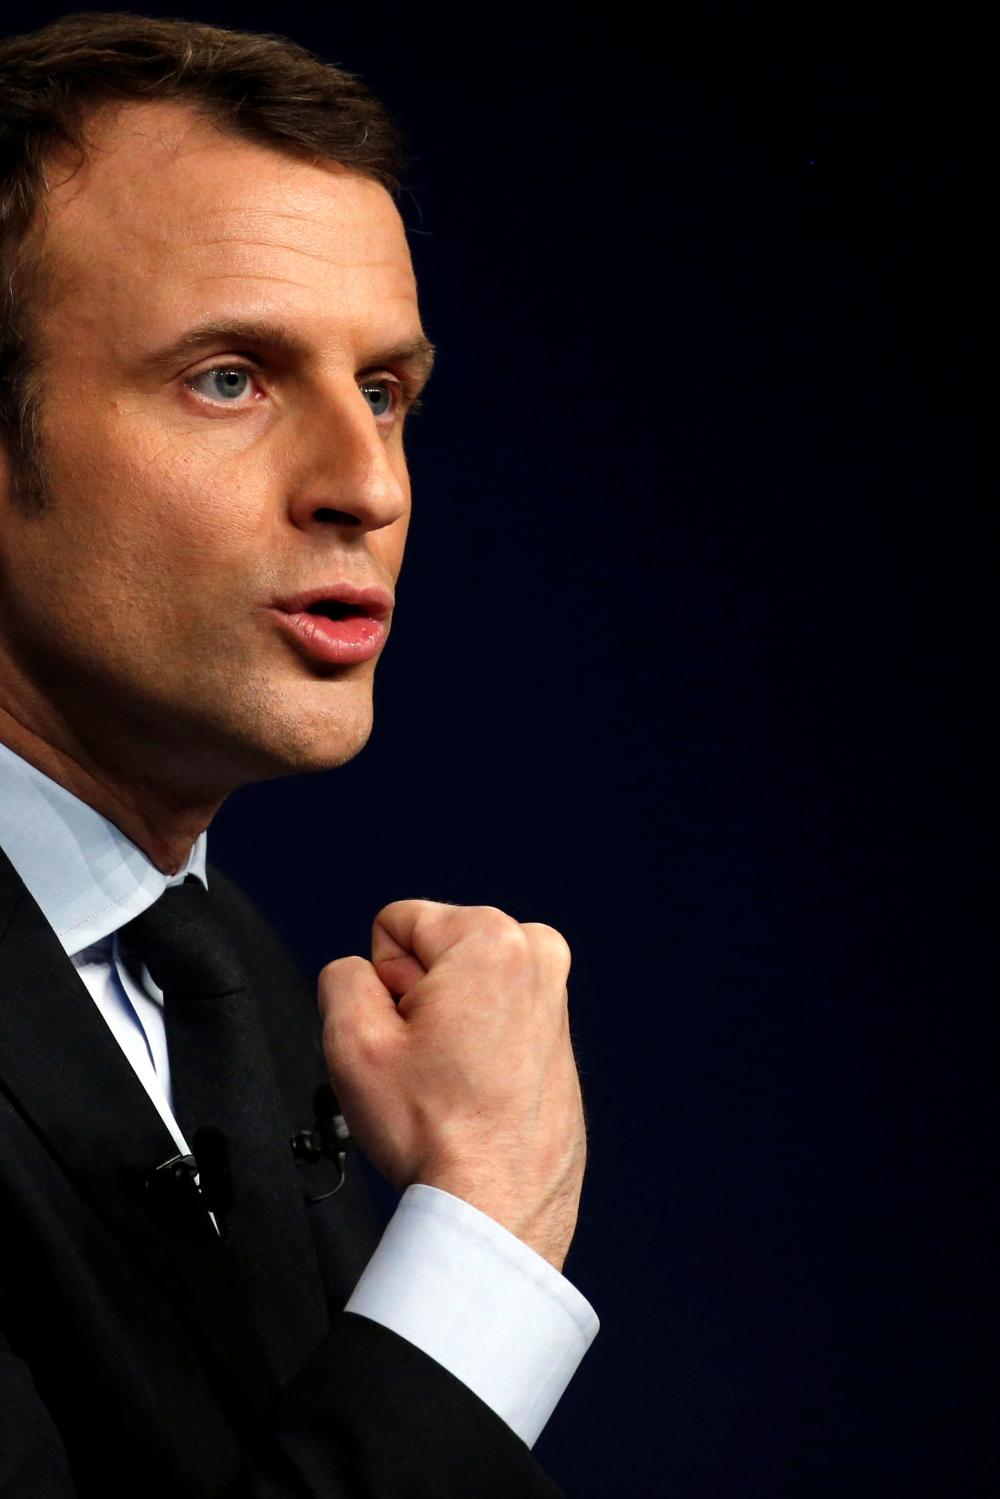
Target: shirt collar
87, 877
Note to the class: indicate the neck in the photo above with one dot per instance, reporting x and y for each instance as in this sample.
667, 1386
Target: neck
165, 832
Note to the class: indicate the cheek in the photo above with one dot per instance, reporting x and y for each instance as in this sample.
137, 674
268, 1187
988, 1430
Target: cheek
194, 499
156, 507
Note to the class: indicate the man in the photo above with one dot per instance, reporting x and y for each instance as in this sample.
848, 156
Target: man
210, 343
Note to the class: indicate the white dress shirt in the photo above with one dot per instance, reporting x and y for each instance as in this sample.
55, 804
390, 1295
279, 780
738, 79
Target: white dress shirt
445, 1276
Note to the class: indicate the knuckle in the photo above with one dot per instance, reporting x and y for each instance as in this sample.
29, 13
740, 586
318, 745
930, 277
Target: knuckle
416, 906
458, 921
417, 923
341, 973
550, 942
512, 945
387, 915
504, 934
368, 1042
487, 924
354, 1043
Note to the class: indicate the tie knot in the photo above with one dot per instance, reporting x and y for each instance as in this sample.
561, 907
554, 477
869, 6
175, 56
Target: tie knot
188, 953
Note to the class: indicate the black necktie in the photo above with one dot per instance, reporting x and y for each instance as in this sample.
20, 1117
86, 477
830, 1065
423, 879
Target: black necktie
227, 1104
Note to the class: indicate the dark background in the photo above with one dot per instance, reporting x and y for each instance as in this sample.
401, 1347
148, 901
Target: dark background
690, 663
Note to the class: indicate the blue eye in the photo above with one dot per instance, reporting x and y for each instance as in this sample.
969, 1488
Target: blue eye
378, 394
225, 384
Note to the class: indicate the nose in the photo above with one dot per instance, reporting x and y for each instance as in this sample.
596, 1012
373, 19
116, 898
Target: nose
347, 472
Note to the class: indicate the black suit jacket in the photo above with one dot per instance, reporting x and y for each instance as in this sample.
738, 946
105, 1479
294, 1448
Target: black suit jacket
127, 1353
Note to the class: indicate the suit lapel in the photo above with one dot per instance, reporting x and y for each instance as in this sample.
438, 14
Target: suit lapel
65, 1072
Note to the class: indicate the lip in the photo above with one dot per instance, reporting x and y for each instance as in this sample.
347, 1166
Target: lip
340, 642
371, 600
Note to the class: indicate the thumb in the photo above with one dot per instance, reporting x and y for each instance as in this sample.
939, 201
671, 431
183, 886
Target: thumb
400, 974
359, 1013
395, 965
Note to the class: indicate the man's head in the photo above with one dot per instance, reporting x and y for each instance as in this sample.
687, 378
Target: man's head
212, 340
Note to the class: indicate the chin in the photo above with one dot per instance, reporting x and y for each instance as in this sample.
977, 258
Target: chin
324, 748
263, 735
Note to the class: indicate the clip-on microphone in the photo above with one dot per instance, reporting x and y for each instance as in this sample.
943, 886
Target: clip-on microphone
182, 1187
330, 1137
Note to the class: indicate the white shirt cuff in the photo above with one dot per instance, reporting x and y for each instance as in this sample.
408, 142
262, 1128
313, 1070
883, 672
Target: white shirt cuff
452, 1281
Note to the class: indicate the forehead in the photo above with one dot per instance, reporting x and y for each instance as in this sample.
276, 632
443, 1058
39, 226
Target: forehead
171, 218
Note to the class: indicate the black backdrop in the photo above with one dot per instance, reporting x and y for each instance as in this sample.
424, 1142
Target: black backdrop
690, 662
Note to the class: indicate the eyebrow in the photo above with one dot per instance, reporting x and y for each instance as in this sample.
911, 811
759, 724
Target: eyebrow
417, 352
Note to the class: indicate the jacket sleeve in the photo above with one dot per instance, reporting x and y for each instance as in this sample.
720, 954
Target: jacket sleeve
33, 1462
372, 1417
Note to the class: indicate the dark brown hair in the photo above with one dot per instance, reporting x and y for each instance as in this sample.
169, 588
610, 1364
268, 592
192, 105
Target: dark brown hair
261, 88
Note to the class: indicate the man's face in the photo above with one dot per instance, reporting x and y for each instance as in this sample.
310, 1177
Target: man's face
189, 491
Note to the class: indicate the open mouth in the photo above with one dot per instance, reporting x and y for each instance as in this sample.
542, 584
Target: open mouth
337, 601
334, 609
337, 631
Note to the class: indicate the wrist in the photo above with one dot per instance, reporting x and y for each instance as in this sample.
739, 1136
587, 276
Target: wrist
547, 1228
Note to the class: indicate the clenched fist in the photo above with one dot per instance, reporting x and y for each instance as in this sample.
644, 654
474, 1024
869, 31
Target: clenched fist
450, 1054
